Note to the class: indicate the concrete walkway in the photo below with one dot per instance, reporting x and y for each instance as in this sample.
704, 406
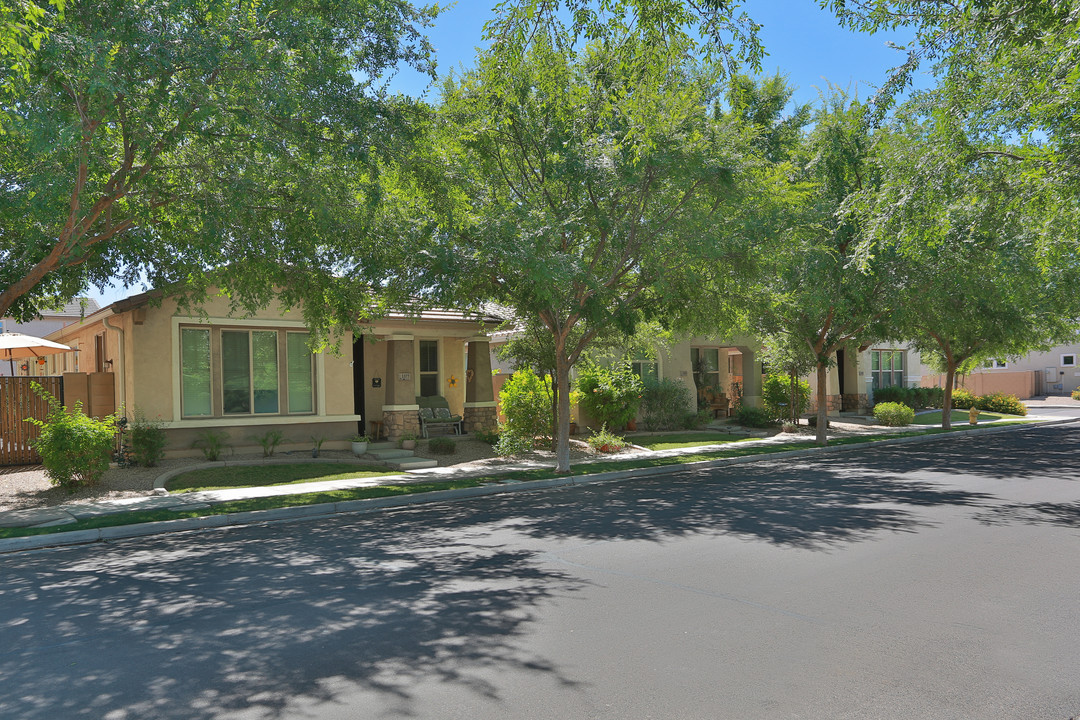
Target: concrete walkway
71, 513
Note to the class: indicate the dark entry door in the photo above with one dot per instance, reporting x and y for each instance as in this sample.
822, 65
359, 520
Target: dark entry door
358, 383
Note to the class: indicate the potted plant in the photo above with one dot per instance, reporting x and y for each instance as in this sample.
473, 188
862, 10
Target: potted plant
407, 441
359, 444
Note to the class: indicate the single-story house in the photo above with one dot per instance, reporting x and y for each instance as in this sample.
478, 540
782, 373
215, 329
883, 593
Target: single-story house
248, 375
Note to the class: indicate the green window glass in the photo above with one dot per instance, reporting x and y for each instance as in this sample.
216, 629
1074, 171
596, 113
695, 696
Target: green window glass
235, 372
264, 367
195, 373
298, 359
429, 367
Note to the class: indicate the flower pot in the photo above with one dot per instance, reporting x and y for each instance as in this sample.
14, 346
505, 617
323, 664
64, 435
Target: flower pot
314, 452
408, 444
573, 428
359, 448
631, 426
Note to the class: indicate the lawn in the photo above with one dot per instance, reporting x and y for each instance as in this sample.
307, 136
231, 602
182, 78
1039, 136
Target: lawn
667, 441
961, 417
263, 475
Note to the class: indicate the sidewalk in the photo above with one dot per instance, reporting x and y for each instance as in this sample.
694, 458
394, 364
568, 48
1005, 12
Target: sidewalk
71, 513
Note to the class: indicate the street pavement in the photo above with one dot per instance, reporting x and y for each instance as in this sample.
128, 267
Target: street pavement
922, 581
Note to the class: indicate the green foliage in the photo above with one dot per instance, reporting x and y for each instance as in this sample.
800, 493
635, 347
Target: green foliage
211, 441
753, 417
442, 446
696, 420
487, 436
605, 441
1076, 394
610, 395
812, 421
269, 441
963, 399
916, 398
664, 403
186, 136
526, 403
1001, 403
893, 414
147, 440
511, 444
785, 397
74, 448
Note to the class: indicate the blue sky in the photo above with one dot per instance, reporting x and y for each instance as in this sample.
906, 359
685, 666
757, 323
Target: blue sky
803, 42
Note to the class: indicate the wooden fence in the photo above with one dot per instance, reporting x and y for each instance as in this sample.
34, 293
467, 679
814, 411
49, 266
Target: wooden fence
18, 402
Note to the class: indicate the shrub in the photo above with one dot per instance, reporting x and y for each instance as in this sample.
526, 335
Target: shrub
696, 420
891, 394
269, 441
211, 442
934, 397
1001, 403
776, 396
526, 402
510, 444
812, 421
603, 440
488, 436
664, 404
74, 448
754, 417
610, 395
147, 440
893, 414
963, 400
442, 446
1076, 394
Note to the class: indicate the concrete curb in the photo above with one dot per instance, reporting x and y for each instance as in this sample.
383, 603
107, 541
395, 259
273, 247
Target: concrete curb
301, 512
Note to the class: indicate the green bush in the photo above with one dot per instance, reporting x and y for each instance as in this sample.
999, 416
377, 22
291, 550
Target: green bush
915, 398
488, 436
812, 421
511, 444
526, 402
1076, 394
891, 394
776, 396
963, 400
611, 396
442, 446
664, 404
603, 440
147, 440
211, 442
74, 448
893, 414
696, 420
753, 417
1001, 403
269, 441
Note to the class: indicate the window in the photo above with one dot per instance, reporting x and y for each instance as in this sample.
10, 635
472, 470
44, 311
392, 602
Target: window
706, 366
429, 367
1068, 360
247, 375
195, 373
887, 368
996, 364
645, 368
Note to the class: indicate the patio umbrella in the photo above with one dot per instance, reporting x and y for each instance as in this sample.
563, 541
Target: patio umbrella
16, 346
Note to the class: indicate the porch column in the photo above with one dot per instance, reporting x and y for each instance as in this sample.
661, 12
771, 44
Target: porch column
751, 377
480, 410
399, 404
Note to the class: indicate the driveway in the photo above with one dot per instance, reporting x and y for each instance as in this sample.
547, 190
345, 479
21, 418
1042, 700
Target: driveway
930, 581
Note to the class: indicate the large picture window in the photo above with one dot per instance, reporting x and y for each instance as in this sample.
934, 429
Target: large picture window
887, 368
226, 371
705, 363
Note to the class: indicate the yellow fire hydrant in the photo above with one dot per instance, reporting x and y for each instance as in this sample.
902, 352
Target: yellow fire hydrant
973, 416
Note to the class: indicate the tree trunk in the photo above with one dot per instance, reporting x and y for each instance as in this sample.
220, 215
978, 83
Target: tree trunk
822, 404
554, 408
946, 405
562, 436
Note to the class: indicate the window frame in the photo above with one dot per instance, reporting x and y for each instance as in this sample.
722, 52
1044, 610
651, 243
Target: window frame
705, 376
1069, 364
421, 373
216, 366
877, 356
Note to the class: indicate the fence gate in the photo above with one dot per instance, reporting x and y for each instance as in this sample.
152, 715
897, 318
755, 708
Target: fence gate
18, 401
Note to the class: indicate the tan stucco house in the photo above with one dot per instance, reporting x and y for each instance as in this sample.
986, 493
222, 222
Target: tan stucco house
247, 375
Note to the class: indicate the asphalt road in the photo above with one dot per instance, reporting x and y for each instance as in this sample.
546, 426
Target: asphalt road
929, 581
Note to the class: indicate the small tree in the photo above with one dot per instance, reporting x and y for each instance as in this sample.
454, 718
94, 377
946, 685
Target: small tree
74, 448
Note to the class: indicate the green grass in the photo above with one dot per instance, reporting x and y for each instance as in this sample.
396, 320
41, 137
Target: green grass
668, 441
270, 503
267, 475
961, 417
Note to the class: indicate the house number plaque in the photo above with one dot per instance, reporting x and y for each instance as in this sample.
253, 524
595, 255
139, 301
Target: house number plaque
404, 376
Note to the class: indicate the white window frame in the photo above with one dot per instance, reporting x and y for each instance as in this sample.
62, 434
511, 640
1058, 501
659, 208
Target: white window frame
1068, 364
997, 364
438, 366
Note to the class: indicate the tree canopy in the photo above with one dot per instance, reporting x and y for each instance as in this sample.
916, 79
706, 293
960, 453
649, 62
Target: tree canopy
179, 137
